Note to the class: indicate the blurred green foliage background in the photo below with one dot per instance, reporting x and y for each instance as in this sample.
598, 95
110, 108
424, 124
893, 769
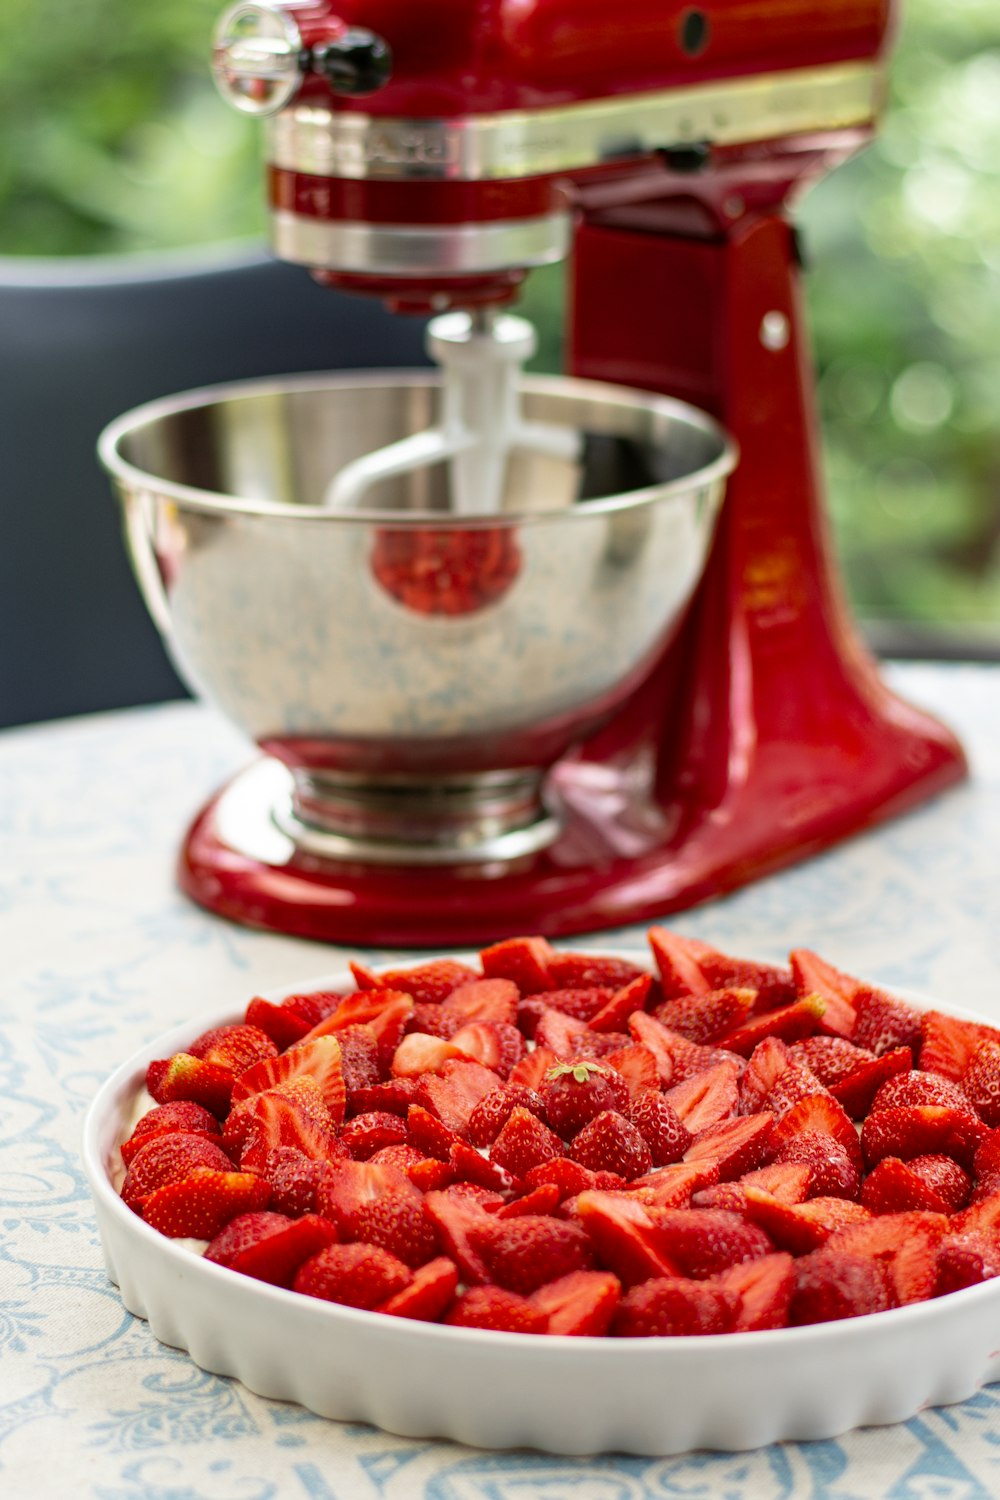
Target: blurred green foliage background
113, 140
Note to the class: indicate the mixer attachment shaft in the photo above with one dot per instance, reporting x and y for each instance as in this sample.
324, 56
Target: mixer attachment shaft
481, 423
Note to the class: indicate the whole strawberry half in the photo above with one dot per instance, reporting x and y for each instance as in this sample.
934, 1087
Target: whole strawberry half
611, 1143
356, 1275
675, 1307
524, 1253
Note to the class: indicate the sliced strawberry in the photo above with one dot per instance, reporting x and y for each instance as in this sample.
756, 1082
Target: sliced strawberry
495, 1044
830, 1285
674, 1185
592, 971
470, 1166
319, 1059
578, 1004
624, 1236
523, 1254
660, 1126
945, 1177
525, 961
788, 1181
857, 1090
429, 1294
395, 1096
702, 1242
677, 962
812, 975
499, 1311
532, 1068
269, 1246
832, 1167
894, 1188
385, 1011
283, 1024
455, 1217
920, 1130
430, 1175
495, 1109
768, 1061
795, 1083
203, 1203
561, 1034
543, 1199
677, 1059
733, 1146
916, 1087
274, 1119
966, 1260
948, 1045
984, 1214
981, 1082
364, 977
182, 1115
355, 1275
185, 1077
884, 1023
368, 1133
704, 1017
831, 1058
611, 1143
235, 1047
905, 1243
569, 1178
764, 1287
581, 1304
400, 1223
484, 1000
614, 1014
433, 1021
345, 1190
292, 1178
772, 982
801, 1227
708, 1098
575, 1091
454, 1094
359, 1061
789, 1022
818, 1112
429, 1134
300, 1097
419, 1053
675, 1307
524, 1142
637, 1065
169, 1158
428, 983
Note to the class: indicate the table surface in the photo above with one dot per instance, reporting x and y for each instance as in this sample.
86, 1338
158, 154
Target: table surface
100, 953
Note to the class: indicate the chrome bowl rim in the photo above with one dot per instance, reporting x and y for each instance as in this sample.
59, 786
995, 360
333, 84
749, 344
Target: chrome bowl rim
134, 479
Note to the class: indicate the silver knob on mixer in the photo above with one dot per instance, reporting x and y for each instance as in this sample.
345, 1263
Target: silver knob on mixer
257, 57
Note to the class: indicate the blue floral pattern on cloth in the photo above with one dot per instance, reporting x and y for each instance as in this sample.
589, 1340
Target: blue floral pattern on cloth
100, 953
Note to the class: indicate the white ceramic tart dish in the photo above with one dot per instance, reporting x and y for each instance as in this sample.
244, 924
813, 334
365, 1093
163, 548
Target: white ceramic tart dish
652, 1396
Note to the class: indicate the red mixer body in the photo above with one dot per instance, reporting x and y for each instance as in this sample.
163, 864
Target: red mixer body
766, 732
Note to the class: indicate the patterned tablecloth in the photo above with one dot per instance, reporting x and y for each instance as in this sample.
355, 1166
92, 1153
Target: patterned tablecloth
99, 953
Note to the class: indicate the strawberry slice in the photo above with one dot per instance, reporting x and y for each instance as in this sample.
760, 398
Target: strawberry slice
524, 961
292, 1178
455, 1217
966, 1260
708, 1098
569, 1178
789, 1022
789, 1182
705, 1017
818, 1112
495, 1044
419, 1053
801, 1227
397, 1221
273, 1119
355, 1275
484, 1000
703, 1242
637, 1066
660, 1126
677, 1059
831, 1058
613, 1016
884, 1023
429, 1134
495, 1109
675, 1307
286, 1023
269, 1246
169, 1158
895, 1188
203, 1203
345, 1190
981, 1082
524, 1142
429, 1294
581, 1304
561, 1034
368, 1133
428, 983
830, 1285
182, 1115
524, 1253
624, 1236
677, 962
733, 1146
858, 1089
834, 1169
385, 1011
543, 1199
591, 971
906, 1244
982, 1215
578, 1004
497, 1310
319, 1060
186, 1077
394, 1095
764, 1287
470, 1166
917, 1087
532, 1068
611, 1143
919, 1130
454, 1094
768, 1061
674, 1185
235, 1047
812, 975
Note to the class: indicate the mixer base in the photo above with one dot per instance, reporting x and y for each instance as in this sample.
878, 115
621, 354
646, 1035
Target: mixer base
620, 857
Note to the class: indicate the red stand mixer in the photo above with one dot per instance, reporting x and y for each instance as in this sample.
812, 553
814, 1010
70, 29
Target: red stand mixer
430, 155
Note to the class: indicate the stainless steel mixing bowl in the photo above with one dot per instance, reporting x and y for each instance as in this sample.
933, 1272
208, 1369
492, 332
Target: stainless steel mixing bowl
416, 672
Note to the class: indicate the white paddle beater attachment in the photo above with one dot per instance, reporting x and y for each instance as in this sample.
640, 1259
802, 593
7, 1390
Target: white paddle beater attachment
481, 423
